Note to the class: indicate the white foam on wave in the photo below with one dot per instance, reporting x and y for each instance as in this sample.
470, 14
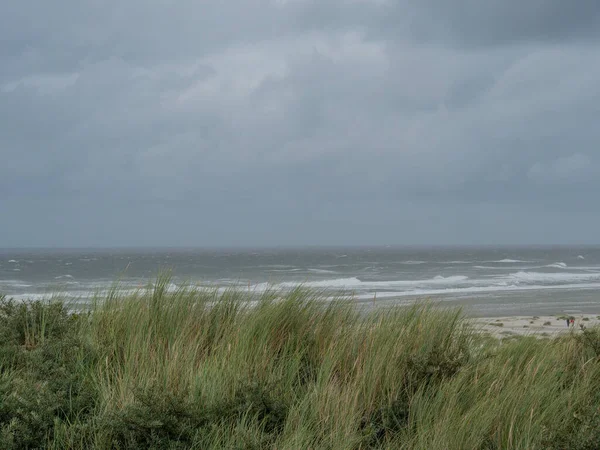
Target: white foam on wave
498, 268
32, 296
413, 263
275, 266
557, 265
509, 261
12, 261
580, 257
321, 271
63, 277
440, 284
172, 287
285, 270
540, 277
476, 290
416, 292
340, 283
14, 284
355, 283
457, 262
552, 266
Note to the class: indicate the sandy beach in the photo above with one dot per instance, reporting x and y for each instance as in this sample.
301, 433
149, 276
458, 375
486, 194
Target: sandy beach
546, 326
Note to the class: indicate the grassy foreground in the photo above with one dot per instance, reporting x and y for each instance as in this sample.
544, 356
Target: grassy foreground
203, 370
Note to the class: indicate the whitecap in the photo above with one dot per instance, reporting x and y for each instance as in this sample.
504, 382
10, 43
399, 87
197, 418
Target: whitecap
540, 277
355, 283
472, 290
13, 261
321, 271
457, 262
285, 270
558, 265
508, 261
14, 283
333, 283
275, 266
62, 277
580, 257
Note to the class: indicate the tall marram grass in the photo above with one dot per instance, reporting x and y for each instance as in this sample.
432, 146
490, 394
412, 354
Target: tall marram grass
207, 369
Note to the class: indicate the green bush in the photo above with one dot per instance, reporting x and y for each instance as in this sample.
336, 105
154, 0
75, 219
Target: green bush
44, 373
159, 420
590, 339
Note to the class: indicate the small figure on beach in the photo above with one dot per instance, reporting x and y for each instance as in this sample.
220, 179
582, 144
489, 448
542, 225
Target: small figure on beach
567, 319
572, 322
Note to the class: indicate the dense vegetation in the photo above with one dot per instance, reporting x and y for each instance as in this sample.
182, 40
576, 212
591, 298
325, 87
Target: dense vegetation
197, 369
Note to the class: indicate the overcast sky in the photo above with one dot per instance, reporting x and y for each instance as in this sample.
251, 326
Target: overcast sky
294, 122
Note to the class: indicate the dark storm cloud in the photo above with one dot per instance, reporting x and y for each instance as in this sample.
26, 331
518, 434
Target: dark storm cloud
299, 121
476, 23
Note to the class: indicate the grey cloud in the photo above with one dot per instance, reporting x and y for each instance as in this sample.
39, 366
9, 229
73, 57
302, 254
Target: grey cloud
575, 168
474, 23
299, 122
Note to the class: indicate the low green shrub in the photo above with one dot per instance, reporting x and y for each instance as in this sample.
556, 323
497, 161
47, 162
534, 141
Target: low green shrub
44, 366
159, 420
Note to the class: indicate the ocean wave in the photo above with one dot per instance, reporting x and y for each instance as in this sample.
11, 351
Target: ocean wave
413, 263
355, 283
321, 271
508, 261
285, 270
275, 266
471, 290
457, 262
458, 285
63, 277
481, 284
557, 265
15, 284
297, 269
541, 277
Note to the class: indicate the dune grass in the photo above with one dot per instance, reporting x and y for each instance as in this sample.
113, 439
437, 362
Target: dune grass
207, 369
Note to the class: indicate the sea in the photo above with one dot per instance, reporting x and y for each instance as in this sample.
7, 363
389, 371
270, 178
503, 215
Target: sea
486, 282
